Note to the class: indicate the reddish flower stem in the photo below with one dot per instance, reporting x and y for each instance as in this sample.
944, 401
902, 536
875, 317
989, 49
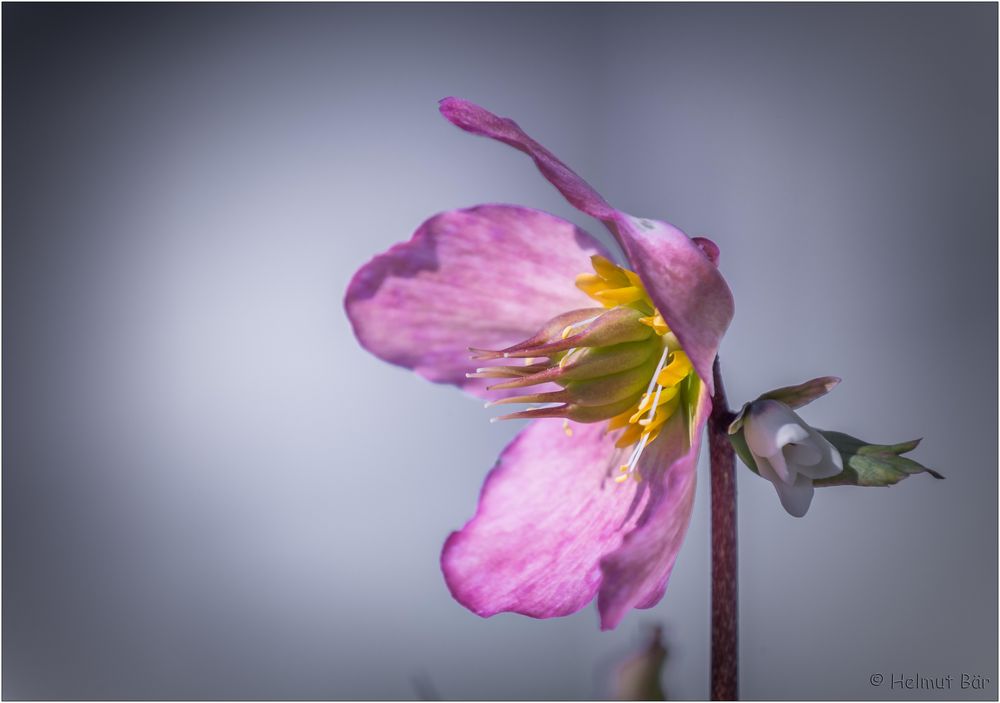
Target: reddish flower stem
725, 594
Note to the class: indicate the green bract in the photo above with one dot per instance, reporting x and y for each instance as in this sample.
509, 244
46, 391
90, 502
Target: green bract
872, 464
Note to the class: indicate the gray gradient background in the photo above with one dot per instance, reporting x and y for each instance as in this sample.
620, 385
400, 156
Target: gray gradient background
210, 491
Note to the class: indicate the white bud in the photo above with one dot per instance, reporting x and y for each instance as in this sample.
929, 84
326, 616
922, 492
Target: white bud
788, 452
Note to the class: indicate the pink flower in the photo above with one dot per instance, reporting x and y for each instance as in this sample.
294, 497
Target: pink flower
622, 360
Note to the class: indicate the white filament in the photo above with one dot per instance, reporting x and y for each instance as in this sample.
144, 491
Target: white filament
637, 452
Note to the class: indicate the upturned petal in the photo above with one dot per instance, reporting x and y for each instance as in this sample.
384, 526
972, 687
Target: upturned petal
679, 273
548, 512
485, 276
477, 120
636, 574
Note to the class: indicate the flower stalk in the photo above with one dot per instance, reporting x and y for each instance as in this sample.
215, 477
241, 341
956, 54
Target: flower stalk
725, 594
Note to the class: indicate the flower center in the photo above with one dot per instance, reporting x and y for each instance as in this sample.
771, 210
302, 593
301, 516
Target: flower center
618, 363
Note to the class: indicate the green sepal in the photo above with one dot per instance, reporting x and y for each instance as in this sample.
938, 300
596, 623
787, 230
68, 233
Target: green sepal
736, 425
872, 464
690, 390
739, 443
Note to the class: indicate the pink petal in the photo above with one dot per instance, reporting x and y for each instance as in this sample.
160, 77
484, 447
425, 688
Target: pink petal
636, 574
679, 273
548, 512
486, 277
685, 285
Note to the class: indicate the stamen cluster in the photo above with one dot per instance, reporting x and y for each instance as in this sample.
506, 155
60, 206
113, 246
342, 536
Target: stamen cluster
619, 363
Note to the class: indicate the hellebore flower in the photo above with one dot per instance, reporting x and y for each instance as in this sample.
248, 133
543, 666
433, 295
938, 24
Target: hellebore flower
788, 452
619, 365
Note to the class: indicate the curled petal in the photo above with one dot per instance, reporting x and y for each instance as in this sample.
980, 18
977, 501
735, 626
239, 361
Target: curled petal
484, 277
477, 120
679, 273
636, 574
548, 512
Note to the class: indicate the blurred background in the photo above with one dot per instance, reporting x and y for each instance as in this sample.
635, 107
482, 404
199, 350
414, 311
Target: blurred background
209, 489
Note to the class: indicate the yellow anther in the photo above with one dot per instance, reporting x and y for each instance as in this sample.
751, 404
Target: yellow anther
634, 280
619, 421
620, 296
612, 285
657, 322
631, 435
609, 271
646, 404
591, 284
624, 471
676, 371
662, 414
567, 429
